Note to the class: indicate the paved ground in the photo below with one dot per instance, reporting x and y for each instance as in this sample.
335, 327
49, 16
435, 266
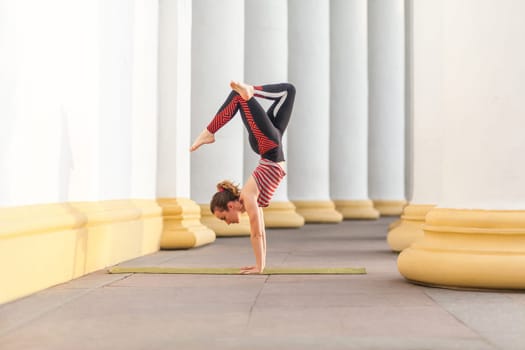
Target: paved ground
379, 310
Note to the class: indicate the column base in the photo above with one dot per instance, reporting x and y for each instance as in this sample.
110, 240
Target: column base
481, 249
182, 228
318, 211
394, 224
389, 208
409, 228
47, 244
151, 221
282, 215
221, 228
357, 209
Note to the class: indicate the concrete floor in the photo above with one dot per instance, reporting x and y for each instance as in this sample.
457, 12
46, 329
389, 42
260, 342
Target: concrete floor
379, 310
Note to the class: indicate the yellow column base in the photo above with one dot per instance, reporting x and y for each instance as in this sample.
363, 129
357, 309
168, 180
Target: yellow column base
116, 231
394, 224
221, 228
409, 228
182, 227
357, 209
151, 222
318, 211
389, 208
43, 245
282, 215
468, 249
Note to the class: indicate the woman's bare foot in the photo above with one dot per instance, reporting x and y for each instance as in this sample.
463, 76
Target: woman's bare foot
245, 90
204, 138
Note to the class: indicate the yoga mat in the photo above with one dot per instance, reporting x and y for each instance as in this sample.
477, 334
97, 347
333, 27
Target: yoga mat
236, 271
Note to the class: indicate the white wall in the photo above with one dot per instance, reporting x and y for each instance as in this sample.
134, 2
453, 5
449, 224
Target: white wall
68, 117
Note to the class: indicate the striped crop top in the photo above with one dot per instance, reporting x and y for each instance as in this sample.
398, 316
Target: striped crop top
268, 176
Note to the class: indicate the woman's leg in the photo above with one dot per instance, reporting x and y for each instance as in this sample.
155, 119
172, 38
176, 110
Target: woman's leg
263, 134
283, 95
245, 90
223, 116
264, 131
225, 113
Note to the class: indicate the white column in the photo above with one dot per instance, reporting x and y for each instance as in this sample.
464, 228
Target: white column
349, 109
116, 48
266, 61
426, 111
174, 98
386, 22
484, 112
8, 70
217, 58
144, 109
182, 228
475, 236
308, 132
82, 78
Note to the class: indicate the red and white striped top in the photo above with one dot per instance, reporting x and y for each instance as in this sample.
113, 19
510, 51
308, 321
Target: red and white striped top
268, 176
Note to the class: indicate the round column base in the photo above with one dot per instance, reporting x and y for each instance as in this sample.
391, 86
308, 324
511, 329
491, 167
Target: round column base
182, 228
318, 211
221, 228
394, 224
389, 208
409, 229
468, 249
357, 209
282, 215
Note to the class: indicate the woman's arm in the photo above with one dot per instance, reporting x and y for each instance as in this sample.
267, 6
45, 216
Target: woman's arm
263, 233
249, 197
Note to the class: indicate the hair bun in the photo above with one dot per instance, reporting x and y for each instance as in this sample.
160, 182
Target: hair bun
229, 187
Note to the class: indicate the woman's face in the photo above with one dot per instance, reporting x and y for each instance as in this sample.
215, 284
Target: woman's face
230, 216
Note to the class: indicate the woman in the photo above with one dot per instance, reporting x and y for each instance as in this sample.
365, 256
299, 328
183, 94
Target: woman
265, 131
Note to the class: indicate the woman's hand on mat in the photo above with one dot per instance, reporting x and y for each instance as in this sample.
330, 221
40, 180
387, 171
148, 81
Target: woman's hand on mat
246, 270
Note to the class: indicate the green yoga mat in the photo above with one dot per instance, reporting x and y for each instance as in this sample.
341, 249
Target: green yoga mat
236, 271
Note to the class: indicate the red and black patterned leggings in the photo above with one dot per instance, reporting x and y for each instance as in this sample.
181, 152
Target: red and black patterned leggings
265, 128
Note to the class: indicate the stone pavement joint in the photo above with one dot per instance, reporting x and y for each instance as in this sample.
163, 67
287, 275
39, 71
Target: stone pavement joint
254, 303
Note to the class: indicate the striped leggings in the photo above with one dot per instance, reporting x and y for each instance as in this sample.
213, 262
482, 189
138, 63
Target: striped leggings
265, 128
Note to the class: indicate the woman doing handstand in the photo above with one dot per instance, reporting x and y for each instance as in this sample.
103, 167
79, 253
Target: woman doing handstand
265, 131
